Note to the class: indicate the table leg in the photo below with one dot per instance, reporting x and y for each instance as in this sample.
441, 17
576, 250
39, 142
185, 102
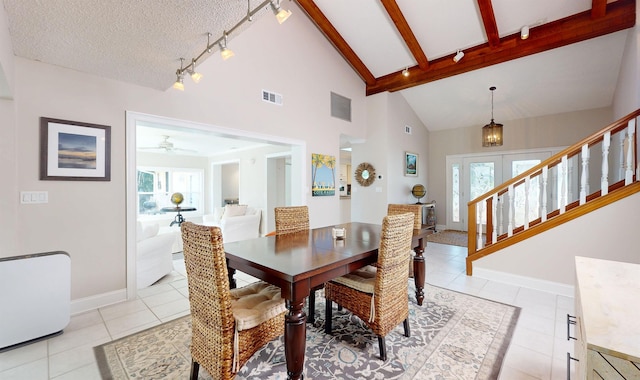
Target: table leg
419, 271
232, 280
295, 336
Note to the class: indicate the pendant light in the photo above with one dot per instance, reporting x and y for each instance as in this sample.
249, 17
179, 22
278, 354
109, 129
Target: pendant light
492, 132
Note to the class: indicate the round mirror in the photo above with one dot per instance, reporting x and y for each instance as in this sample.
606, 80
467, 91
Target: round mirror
365, 174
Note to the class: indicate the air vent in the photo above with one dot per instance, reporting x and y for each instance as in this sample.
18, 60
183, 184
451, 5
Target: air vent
271, 97
340, 107
407, 129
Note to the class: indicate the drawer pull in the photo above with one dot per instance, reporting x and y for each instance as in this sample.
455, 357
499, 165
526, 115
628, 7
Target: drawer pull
569, 359
571, 320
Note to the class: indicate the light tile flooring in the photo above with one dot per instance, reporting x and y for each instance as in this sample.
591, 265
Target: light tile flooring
537, 351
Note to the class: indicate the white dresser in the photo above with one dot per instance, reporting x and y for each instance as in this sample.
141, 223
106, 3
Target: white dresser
607, 328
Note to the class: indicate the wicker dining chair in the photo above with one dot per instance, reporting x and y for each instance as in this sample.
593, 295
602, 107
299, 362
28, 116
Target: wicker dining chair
379, 298
296, 219
228, 325
416, 209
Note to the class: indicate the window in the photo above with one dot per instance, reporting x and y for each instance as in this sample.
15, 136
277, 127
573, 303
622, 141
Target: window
155, 186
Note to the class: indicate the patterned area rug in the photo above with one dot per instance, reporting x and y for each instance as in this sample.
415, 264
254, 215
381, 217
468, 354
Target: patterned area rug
453, 336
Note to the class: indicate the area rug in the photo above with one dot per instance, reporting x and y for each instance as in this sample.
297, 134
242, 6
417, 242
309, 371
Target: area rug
451, 237
453, 336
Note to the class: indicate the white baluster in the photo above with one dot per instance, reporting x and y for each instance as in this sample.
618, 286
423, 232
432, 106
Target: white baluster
527, 183
570, 183
501, 214
494, 211
604, 180
563, 184
628, 173
584, 179
545, 178
511, 200
479, 210
622, 138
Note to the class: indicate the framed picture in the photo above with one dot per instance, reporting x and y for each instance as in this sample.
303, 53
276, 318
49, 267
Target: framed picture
410, 164
74, 151
323, 172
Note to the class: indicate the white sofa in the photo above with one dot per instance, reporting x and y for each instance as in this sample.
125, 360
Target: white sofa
153, 254
237, 222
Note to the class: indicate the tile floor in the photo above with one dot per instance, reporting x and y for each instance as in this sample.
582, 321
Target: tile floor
537, 351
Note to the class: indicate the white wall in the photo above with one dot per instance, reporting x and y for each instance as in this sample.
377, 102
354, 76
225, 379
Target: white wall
626, 98
384, 148
87, 219
606, 233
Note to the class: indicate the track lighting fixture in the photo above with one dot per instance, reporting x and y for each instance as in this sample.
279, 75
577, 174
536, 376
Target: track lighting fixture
405, 72
458, 56
281, 14
179, 84
524, 32
225, 52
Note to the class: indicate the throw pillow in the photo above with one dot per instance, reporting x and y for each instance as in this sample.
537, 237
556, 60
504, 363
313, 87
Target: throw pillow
234, 210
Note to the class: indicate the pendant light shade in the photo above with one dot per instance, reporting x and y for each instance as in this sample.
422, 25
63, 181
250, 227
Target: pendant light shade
492, 132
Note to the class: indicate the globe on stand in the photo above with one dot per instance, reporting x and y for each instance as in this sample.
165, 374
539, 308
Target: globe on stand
418, 191
177, 198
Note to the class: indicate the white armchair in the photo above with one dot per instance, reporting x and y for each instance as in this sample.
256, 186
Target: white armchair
237, 222
153, 254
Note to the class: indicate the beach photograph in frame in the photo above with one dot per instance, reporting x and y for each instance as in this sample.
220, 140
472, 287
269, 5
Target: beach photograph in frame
74, 151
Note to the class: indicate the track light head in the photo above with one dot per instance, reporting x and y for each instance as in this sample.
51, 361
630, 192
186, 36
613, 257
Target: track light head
458, 56
524, 32
405, 72
195, 76
179, 83
281, 14
225, 52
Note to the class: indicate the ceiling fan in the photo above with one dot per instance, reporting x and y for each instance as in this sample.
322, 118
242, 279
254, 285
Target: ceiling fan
168, 146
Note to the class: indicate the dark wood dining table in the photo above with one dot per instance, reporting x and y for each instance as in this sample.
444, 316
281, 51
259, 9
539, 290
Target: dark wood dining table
298, 262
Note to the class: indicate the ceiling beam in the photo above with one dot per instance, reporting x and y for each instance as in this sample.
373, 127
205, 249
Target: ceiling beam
317, 17
619, 15
598, 8
407, 34
489, 21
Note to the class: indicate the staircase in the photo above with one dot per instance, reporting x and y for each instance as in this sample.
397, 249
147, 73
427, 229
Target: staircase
588, 175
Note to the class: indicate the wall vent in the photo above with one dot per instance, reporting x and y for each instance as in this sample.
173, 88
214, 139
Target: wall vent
271, 97
407, 129
340, 107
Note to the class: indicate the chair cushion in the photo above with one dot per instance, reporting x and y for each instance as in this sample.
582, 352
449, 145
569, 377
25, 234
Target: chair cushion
362, 280
256, 303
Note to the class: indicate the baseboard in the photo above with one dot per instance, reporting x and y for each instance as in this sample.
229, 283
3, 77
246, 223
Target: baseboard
82, 305
528, 282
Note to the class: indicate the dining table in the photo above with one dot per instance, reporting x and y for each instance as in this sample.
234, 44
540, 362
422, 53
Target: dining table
300, 261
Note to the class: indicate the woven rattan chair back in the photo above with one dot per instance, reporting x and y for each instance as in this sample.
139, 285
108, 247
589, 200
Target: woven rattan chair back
214, 337
415, 209
291, 219
388, 305
209, 297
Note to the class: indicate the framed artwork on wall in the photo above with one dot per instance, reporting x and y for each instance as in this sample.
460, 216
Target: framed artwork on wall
323, 174
74, 151
410, 164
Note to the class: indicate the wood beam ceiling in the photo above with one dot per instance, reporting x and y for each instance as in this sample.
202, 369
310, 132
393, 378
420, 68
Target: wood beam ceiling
602, 19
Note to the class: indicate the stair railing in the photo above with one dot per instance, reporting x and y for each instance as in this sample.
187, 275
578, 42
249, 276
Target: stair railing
553, 191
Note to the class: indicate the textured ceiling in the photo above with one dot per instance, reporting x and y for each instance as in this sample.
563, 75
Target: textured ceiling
137, 41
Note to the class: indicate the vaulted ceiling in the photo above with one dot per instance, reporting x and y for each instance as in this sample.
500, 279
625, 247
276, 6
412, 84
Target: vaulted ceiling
570, 61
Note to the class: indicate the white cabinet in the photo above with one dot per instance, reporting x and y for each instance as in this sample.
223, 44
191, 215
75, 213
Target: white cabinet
607, 328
